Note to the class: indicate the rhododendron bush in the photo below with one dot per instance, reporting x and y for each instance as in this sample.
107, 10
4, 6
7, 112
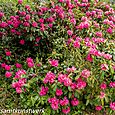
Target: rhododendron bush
59, 56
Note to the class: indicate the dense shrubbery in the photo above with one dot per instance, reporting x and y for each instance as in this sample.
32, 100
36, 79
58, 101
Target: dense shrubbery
60, 57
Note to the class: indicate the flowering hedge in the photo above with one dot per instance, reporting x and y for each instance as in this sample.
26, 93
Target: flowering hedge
60, 57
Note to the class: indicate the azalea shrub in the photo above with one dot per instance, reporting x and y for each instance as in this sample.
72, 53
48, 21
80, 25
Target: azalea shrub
59, 56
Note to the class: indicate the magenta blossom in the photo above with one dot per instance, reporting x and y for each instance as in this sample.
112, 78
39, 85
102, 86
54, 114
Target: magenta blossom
22, 42
64, 102
75, 102
112, 84
66, 111
59, 92
85, 73
7, 67
53, 62
103, 86
18, 65
102, 95
98, 108
20, 1
112, 106
34, 24
49, 78
8, 74
8, 53
18, 90
43, 91
104, 67
69, 32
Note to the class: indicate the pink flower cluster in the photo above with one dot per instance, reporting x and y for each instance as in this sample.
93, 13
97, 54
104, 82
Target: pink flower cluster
19, 84
98, 53
98, 108
59, 92
53, 62
49, 78
85, 73
19, 73
80, 83
70, 70
64, 102
62, 78
112, 84
112, 106
30, 62
8, 74
43, 91
54, 103
75, 102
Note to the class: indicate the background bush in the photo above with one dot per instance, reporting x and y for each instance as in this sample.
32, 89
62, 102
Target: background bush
75, 42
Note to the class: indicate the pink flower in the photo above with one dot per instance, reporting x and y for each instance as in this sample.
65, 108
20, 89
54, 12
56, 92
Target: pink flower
49, 78
38, 39
99, 34
102, 95
26, 24
43, 91
73, 86
67, 81
14, 85
41, 20
20, 1
50, 25
7, 67
50, 19
59, 92
75, 102
53, 62
112, 84
98, 108
18, 90
34, 24
89, 58
61, 0
22, 42
76, 44
61, 77
3, 24
18, 65
29, 59
27, 17
54, 103
73, 20
85, 73
8, 53
112, 106
104, 67
3, 65
8, 74
54, 106
69, 32
1, 14
19, 73
64, 102
71, 69
103, 86
84, 0
66, 111
81, 84
107, 56
30, 64
109, 30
